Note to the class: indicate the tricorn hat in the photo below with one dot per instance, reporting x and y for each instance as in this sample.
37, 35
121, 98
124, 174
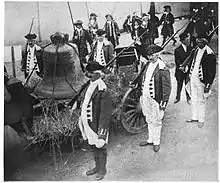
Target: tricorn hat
202, 39
167, 7
95, 66
30, 36
100, 32
153, 48
78, 22
138, 20
109, 15
144, 14
93, 14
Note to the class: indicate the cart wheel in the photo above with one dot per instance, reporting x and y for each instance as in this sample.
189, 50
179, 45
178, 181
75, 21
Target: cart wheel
131, 115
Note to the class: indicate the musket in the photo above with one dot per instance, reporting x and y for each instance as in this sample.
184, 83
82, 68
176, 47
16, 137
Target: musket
177, 31
213, 31
71, 15
30, 29
32, 22
87, 9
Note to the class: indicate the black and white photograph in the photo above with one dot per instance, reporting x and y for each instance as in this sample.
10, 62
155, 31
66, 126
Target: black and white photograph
110, 91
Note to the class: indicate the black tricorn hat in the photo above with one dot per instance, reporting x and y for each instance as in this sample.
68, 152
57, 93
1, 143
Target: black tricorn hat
78, 22
109, 15
95, 66
144, 14
138, 20
31, 36
100, 32
93, 14
153, 48
183, 36
201, 39
167, 7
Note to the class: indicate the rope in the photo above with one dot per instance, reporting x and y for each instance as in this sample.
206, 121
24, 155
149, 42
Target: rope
54, 70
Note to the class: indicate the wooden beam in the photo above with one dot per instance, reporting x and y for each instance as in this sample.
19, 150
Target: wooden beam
13, 61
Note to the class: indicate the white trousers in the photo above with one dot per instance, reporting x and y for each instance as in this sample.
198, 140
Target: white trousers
197, 99
153, 116
154, 132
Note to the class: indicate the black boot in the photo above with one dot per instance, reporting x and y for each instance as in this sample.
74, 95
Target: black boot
96, 168
102, 163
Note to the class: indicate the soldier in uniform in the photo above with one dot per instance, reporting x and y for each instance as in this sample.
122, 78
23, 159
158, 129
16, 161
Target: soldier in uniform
83, 41
112, 30
95, 105
200, 76
154, 81
135, 34
155, 22
93, 25
180, 54
167, 20
127, 25
102, 49
145, 31
31, 57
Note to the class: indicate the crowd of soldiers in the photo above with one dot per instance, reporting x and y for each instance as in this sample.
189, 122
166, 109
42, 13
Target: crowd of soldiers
96, 49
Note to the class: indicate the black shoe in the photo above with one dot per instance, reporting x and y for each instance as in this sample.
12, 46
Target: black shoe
100, 175
156, 148
192, 121
176, 101
85, 146
92, 172
145, 143
188, 101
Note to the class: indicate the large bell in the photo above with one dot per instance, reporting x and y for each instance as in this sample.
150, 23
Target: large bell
62, 73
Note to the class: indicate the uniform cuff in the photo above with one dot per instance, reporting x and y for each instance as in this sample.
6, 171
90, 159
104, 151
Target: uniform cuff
207, 85
102, 133
163, 104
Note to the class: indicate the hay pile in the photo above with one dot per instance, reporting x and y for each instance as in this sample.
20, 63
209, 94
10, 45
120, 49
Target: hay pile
54, 124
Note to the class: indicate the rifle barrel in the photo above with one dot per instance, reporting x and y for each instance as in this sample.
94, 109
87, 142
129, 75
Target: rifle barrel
71, 15
177, 32
213, 30
32, 22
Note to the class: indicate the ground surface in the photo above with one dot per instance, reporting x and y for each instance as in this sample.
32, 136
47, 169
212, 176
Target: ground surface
187, 152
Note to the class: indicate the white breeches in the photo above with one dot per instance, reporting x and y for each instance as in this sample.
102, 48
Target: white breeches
197, 99
153, 116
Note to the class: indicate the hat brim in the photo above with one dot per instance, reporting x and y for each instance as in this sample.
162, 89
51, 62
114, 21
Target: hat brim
30, 36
